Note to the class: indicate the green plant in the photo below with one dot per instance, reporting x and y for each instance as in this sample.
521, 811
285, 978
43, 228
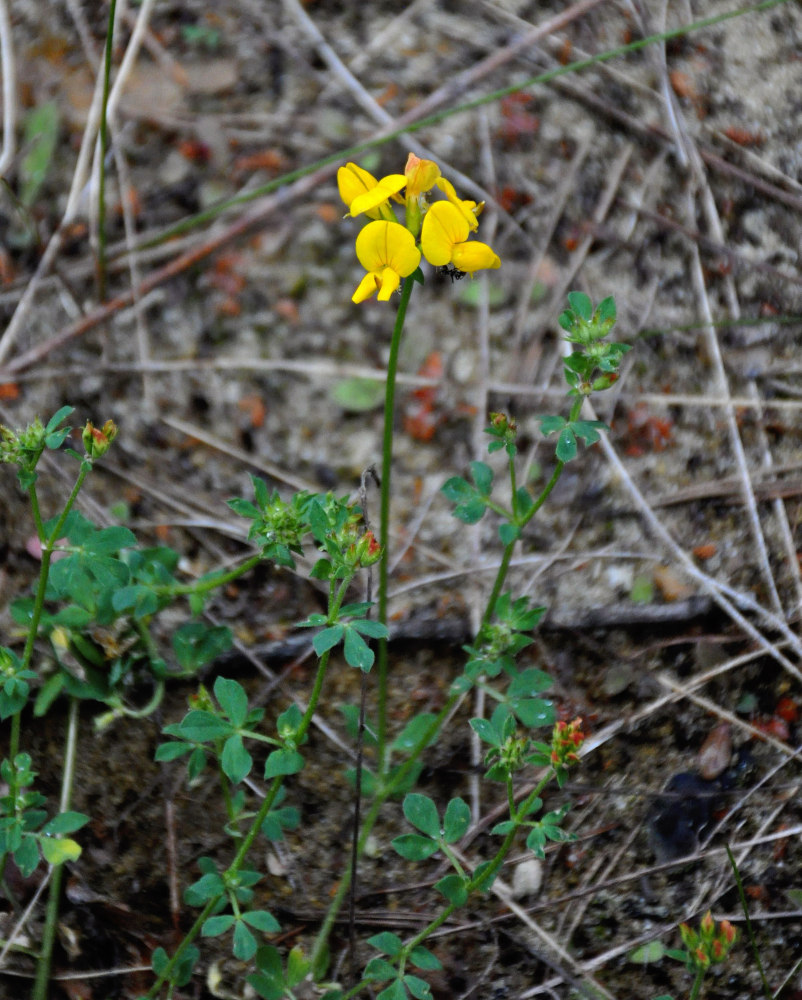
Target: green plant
100, 593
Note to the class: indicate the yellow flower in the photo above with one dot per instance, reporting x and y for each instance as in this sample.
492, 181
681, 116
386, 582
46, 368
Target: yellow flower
388, 253
469, 209
421, 175
444, 240
361, 192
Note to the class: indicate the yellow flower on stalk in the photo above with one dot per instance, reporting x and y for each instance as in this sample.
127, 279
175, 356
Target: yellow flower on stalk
469, 209
361, 192
388, 253
444, 240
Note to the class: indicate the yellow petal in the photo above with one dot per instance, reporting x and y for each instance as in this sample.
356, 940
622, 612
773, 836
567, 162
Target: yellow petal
420, 174
390, 280
384, 244
443, 226
467, 208
367, 287
383, 190
474, 256
353, 181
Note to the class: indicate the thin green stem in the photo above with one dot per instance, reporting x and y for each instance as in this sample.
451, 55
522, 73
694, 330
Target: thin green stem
250, 836
210, 214
208, 583
697, 984
42, 980
384, 519
767, 991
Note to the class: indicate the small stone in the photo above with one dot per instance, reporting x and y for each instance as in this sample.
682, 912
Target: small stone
527, 878
716, 752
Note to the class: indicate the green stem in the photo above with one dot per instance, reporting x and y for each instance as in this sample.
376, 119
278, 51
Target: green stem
47, 553
697, 984
384, 518
250, 836
486, 877
208, 582
42, 981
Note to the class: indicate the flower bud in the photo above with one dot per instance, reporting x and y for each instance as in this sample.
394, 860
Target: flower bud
97, 441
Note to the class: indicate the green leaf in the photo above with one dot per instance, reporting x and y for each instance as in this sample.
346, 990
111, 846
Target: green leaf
57, 417
418, 987
413, 732
581, 305
26, 856
386, 942
41, 137
456, 821
533, 712
395, 991
328, 639
358, 394
244, 946
357, 651
647, 953
606, 310
215, 926
233, 700
196, 644
207, 887
550, 423
171, 751
262, 921
235, 759
201, 726
486, 731
66, 822
482, 475
566, 445
379, 969
414, 847
453, 888
56, 852
508, 533
422, 958
366, 626
283, 762
421, 812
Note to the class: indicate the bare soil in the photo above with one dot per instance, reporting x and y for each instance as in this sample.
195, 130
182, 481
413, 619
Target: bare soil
670, 177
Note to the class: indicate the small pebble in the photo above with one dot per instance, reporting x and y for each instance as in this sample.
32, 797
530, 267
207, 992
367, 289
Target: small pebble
527, 878
716, 752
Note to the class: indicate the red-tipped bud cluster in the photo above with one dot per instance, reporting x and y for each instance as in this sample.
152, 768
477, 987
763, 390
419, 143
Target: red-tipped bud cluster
97, 440
708, 946
566, 739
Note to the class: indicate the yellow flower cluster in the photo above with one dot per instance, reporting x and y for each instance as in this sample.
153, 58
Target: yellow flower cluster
388, 250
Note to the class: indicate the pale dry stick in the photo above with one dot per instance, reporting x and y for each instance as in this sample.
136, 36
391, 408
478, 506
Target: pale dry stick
547, 948
668, 682
598, 961
712, 344
739, 402
557, 202
227, 448
82, 167
714, 353
376, 111
708, 584
141, 326
24, 917
84, 32
9, 77
615, 174
457, 87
